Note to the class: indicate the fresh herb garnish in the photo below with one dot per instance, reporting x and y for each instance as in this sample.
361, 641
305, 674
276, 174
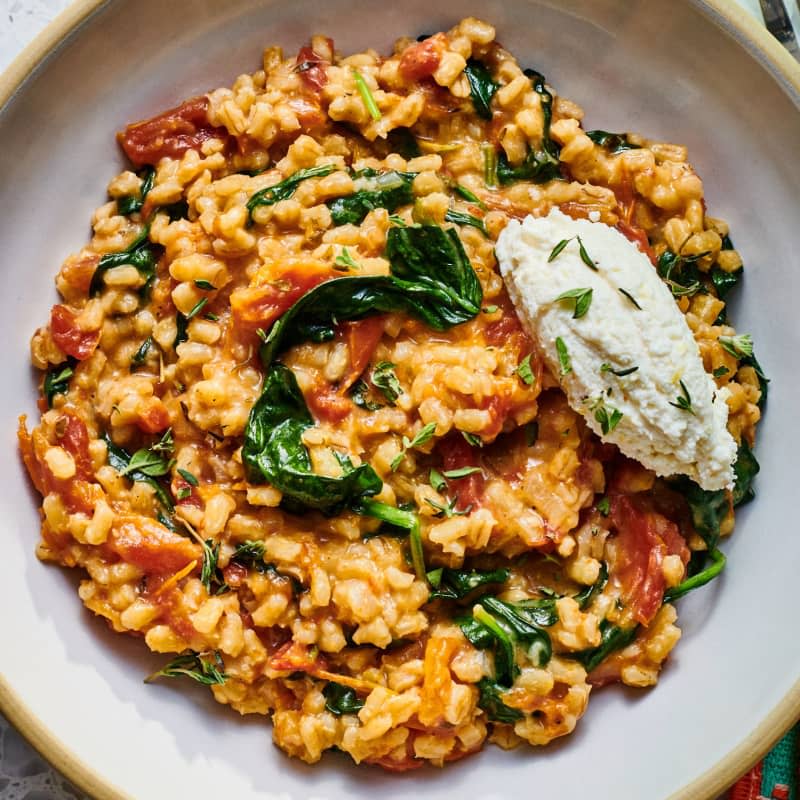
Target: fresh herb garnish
629, 296
462, 472
620, 373
205, 285
449, 510
208, 571
188, 477
147, 463
461, 218
585, 257
720, 371
607, 417
525, 372
565, 365
469, 196
366, 95
582, 298
192, 665
472, 439
140, 356
284, 189
604, 506
437, 480
423, 436
683, 401
385, 379
345, 261
341, 699
481, 88
740, 346
358, 394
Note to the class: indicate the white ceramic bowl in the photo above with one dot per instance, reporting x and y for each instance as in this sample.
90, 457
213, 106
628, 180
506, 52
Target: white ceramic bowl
701, 73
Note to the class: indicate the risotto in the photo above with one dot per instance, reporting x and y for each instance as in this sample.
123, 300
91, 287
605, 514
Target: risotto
297, 439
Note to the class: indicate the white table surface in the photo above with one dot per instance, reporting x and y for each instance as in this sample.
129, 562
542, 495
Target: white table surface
23, 774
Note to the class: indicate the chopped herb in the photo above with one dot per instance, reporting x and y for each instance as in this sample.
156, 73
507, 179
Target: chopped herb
556, 251
607, 417
437, 480
119, 459
582, 298
564, 362
192, 665
531, 433
166, 444
460, 218
620, 373
341, 699
385, 379
684, 291
183, 493
720, 371
629, 296
56, 380
208, 572
525, 372
205, 285
472, 439
680, 273
358, 394
489, 309
346, 261
188, 477
396, 220
684, 400
423, 436
196, 308
585, 256
140, 356
211, 317
489, 165
613, 142
366, 95
481, 88
604, 506
469, 196
284, 189
740, 346
448, 510
147, 463
462, 472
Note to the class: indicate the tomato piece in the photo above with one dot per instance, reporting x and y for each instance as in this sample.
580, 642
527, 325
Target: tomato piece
641, 538
186, 494
170, 134
309, 113
68, 336
328, 404
362, 337
421, 60
457, 453
147, 544
508, 331
154, 417
294, 656
26, 450
313, 67
75, 440
260, 306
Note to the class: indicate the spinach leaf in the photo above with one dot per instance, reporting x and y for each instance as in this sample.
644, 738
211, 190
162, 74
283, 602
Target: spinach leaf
746, 468
477, 635
612, 638
358, 394
140, 356
141, 253
462, 218
284, 189
134, 202
708, 508
455, 584
432, 280
56, 379
763, 380
385, 379
120, 460
680, 273
373, 189
541, 164
613, 142
489, 700
698, 579
398, 521
274, 452
341, 699
585, 596
724, 281
481, 88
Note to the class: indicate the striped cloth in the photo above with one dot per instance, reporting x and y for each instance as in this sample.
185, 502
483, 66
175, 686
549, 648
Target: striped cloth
774, 778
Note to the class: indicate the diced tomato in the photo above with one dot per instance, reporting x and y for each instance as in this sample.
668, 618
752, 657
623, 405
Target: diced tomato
235, 574
635, 234
456, 453
309, 113
313, 67
294, 656
362, 337
147, 544
26, 450
327, 404
260, 306
153, 417
170, 134
68, 336
75, 440
508, 329
498, 406
643, 538
421, 60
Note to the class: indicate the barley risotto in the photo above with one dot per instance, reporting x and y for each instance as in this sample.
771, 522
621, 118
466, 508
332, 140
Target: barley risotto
298, 439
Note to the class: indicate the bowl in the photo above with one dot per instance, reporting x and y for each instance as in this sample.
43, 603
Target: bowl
699, 73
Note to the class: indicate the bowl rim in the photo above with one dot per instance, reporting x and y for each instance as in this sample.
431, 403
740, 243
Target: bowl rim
784, 70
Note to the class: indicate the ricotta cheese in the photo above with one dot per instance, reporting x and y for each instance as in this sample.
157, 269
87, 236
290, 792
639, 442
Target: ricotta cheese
630, 353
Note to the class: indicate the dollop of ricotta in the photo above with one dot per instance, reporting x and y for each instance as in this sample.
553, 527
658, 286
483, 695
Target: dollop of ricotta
632, 321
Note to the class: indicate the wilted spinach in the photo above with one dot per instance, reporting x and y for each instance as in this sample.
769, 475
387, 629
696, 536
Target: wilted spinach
612, 638
481, 87
613, 142
284, 189
341, 699
56, 379
120, 460
134, 202
373, 189
489, 700
141, 253
456, 584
